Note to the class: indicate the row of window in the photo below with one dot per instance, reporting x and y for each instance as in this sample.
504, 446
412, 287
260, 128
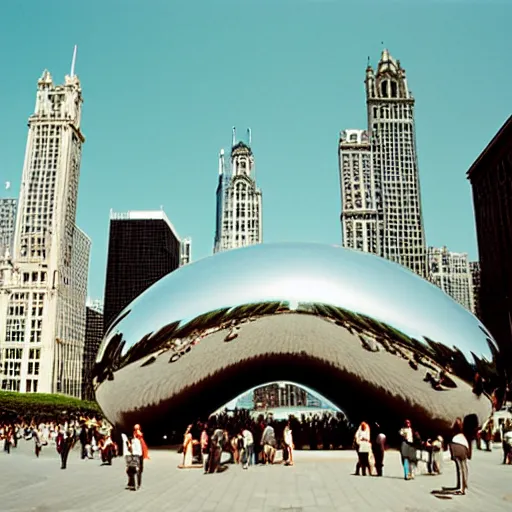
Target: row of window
14, 385
15, 354
34, 277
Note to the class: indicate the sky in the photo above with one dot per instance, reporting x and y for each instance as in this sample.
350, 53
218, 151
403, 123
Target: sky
165, 81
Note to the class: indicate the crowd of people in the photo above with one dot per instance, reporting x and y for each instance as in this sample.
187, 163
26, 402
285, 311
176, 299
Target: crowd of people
245, 440
326, 431
238, 438
94, 436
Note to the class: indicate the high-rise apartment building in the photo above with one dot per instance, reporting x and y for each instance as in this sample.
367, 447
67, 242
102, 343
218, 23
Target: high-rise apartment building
361, 218
42, 307
239, 215
474, 267
93, 337
451, 272
7, 225
381, 210
143, 247
491, 181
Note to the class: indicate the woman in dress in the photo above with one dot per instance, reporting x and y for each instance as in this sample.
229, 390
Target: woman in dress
137, 432
288, 442
188, 444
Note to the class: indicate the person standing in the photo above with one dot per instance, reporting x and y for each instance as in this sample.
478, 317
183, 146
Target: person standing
205, 447
289, 446
7, 439
407, 450
459, 449
134, 461
379, 449
216, 445
36, 436
84, 441
437, 455
364, 446
248, 451
137, 432
507, 443
64, 443
187, 448
269, 444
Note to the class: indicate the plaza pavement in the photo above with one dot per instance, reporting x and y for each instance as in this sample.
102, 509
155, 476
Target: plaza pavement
320, 481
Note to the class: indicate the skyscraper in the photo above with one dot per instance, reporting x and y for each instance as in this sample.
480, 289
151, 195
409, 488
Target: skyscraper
474, 266
239, 216
361, 218
143, 247
451, 272
7, 225
93, 337
491, 181
42, 309
382, 213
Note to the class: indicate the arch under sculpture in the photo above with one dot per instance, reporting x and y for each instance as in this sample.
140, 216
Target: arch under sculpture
369, 335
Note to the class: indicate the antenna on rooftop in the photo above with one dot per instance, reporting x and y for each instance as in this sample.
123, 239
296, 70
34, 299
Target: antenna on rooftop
249, 136
73, 62
234, 136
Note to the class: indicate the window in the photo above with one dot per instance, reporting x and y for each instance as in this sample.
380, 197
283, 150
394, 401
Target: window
394, 89
15, 329
384, 88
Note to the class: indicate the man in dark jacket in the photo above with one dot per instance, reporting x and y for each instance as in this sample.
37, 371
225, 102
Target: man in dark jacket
65, 442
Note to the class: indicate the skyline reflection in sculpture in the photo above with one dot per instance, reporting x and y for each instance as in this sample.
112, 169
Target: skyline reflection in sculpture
360, 282
371, 305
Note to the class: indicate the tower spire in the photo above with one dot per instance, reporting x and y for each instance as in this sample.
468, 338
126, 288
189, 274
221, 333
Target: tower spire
233, 142
221, 162
249, 136
73, 62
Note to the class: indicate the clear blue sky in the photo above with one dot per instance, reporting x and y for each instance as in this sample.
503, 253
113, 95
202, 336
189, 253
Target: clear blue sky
164, 81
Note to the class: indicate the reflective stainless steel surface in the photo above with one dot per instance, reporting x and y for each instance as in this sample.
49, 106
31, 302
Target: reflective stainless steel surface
364, 332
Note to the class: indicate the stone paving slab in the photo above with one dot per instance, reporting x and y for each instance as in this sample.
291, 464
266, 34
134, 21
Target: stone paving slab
320, 481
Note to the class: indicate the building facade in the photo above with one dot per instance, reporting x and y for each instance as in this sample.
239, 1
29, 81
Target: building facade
382, 213
143, 247
451, 272
280, 394
491, 181
186, 252
7, 225
239, 215
361, 218
93, 337
474, 267
42, 307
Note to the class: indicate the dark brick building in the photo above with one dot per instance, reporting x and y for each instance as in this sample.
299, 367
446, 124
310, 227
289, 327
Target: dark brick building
491, 180
93, 337
143, 247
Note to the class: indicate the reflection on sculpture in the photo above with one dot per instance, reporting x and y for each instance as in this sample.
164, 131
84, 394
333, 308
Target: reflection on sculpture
369, 335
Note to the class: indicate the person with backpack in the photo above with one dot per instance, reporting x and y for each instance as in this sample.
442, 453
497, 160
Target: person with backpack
133, 457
